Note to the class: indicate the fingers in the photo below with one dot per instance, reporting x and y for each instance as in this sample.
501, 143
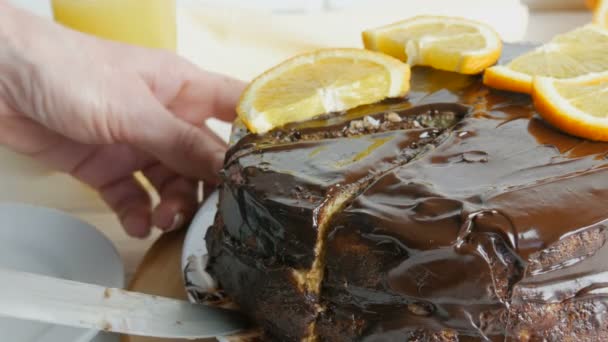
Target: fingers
209, 95
222, 92
26, 136
178, 198
187, 91
131, 202
186, 149
104, 165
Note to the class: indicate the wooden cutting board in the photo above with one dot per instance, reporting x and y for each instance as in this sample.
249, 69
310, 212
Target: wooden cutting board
160, 273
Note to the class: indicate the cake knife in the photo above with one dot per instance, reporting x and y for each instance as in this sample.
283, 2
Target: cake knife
65, 302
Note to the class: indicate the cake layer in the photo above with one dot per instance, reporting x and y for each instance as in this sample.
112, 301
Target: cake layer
262, 287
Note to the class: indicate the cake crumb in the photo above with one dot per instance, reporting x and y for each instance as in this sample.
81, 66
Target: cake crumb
355, 126
370, 123
106, 326
393, 117
419, 309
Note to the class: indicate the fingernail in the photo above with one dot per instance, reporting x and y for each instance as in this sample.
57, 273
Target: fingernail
178, 222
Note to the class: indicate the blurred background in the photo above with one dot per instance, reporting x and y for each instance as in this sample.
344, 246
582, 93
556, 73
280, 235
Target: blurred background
242, 38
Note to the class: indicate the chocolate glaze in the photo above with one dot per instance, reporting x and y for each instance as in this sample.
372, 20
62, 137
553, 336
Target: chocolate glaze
490, 227
280, 221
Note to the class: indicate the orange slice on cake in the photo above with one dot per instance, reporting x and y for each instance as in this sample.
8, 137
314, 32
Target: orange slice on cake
578, 106
324, 81
577, 53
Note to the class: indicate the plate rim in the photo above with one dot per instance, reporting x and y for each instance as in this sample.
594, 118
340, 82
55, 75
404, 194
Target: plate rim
84, 226
194, 251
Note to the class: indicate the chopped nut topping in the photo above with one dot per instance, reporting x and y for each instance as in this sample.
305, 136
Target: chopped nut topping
355, 126
393, 117
419, 309
370, 123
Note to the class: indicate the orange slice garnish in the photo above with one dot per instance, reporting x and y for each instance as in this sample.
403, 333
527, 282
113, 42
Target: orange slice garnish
578, 106
445, 43
573, 54
324, 81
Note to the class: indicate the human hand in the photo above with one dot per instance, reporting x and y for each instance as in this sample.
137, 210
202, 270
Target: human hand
102, 110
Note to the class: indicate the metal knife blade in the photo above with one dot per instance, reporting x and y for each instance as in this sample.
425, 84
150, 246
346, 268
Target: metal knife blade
65, 302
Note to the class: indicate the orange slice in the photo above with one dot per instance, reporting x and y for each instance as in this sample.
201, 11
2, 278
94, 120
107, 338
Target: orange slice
324, 81
573, 54
578, 106
600, 13
446, 43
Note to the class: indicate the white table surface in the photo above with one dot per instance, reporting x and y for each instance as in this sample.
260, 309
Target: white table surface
22, 180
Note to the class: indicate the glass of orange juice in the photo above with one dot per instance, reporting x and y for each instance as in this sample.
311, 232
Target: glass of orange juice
149, 23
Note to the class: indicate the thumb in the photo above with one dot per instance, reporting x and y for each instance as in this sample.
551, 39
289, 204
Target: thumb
187, 149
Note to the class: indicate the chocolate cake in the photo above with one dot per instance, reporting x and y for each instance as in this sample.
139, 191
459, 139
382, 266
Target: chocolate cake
456, 214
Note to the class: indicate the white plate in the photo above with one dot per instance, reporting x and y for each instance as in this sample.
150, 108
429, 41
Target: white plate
52, 243
194, 254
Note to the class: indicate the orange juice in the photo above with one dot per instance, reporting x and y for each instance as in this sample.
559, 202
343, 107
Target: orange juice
148, 23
